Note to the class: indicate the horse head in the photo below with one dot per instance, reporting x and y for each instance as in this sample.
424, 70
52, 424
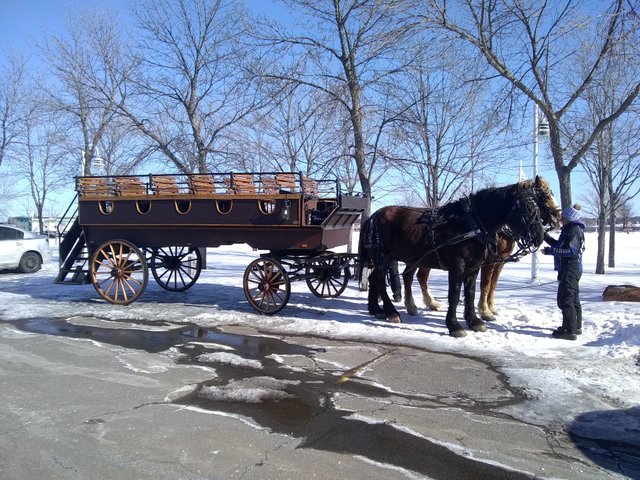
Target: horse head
526, 219
546, 202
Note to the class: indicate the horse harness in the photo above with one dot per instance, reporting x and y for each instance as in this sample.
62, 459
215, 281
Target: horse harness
479, 232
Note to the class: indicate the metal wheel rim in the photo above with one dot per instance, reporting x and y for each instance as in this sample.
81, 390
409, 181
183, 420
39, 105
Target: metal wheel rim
119, 272
266, 285
324, 286
171, 269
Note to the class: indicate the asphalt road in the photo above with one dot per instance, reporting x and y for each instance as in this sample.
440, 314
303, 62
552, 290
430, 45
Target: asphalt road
85, 399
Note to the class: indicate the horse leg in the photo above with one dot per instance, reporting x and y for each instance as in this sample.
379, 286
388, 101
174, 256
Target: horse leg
407, 277
423, 278
374, 292
492, 287
473, 321
455, 283
390, 311
486, 281
378, 289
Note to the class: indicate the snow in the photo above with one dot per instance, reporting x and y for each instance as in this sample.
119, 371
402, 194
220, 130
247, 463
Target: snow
565, 380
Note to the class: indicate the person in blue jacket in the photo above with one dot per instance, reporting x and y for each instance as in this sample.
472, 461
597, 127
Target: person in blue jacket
567, 258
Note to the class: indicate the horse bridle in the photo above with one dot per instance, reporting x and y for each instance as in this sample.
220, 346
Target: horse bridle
528, 215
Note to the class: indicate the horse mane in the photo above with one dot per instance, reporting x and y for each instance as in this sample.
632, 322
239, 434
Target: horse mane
456, 210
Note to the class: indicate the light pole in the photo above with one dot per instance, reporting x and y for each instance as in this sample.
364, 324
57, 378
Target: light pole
540, 129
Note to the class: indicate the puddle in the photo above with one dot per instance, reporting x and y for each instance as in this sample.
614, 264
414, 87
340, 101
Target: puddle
297, 402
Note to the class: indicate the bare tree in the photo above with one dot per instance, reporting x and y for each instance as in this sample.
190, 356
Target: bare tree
37, 156
613, 162
301, 132
85, 86
12, 78
190, 87
348, 49
445, 129
536, 47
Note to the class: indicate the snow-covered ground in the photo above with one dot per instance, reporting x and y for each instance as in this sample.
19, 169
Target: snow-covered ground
567, 381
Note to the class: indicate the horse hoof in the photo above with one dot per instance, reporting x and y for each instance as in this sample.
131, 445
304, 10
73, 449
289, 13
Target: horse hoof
380, 315
412, 311
487, 317
478, 327
458, 333
394, 318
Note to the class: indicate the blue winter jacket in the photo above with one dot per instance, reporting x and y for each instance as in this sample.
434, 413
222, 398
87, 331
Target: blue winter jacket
567, 249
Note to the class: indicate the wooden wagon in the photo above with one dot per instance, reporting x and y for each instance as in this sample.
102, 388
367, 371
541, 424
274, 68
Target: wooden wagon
125, 226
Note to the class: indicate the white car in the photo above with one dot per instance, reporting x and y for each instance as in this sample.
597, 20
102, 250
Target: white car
23, 250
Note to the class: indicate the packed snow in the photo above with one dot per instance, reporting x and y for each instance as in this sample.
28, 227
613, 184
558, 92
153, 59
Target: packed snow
566, 380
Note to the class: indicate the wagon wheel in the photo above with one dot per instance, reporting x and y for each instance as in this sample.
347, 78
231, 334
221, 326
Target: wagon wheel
266, 285
118, 271
325, 278
176, 268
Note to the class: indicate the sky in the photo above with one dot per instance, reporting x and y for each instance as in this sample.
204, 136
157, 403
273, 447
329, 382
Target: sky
24, 22
591, 385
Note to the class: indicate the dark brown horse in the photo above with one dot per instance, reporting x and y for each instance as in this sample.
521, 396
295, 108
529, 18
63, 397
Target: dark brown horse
489, 274
490, 271
458, 237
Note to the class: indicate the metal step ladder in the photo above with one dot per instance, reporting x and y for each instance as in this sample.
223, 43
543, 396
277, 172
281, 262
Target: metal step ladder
73, 256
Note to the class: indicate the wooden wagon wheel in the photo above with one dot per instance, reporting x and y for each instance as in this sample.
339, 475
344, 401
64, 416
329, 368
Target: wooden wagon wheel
176, 268
266, 285
118, 271
325, 278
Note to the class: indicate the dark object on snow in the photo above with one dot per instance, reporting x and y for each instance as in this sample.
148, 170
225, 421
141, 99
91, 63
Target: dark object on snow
621, 293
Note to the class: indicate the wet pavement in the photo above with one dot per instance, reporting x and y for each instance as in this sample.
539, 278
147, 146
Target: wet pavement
156, 400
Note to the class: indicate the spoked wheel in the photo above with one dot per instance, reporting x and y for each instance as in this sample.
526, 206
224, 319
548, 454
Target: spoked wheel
266, 285
176, 268
325, 278
119, 272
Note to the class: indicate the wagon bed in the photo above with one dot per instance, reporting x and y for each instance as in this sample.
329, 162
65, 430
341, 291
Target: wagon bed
127, 225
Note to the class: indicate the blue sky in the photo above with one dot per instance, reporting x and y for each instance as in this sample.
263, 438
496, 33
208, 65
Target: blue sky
24, 23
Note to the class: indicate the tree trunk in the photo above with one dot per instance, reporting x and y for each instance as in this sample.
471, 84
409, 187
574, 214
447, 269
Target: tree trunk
612, 239
39, 209
564, 180
601, 239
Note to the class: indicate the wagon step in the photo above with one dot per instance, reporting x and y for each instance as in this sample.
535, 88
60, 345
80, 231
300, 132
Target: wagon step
74, 258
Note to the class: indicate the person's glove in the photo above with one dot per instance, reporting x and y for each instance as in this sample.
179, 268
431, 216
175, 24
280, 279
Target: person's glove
546, 251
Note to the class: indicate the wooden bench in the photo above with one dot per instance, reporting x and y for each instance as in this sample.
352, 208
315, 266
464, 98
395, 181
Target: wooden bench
94, 186
202, 184
161, 185
309, 186
270, 185
287, 181
241, 184
129, 186
280, 183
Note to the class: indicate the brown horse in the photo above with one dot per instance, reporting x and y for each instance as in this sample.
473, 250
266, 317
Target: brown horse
458, 237
489, 274
490, 271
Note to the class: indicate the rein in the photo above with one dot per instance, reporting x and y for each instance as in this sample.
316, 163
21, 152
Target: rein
524, 207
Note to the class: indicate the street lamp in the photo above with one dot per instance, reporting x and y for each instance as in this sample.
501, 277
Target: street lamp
540, 129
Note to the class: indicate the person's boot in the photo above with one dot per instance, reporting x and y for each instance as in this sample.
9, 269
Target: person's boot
564, 334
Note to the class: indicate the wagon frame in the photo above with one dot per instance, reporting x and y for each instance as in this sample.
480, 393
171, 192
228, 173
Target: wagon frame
129, 225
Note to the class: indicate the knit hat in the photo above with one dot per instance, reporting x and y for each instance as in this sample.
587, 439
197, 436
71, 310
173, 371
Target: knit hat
572, 214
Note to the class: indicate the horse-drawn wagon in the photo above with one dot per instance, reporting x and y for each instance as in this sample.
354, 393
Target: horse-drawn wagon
126, 226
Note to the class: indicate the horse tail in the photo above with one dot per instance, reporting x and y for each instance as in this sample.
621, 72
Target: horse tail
364, 259
369, 245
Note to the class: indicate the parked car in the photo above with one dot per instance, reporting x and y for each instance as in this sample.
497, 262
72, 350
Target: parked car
23, 250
